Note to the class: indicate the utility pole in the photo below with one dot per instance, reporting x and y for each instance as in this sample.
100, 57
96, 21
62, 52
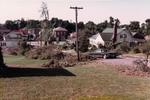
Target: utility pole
77, 40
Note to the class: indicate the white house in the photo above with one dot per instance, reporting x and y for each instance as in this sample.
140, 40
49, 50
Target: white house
13, 36
11, 39
8, 44
96, 40
122, 35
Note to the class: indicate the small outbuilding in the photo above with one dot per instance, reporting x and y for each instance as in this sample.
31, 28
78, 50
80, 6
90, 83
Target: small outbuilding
60, 34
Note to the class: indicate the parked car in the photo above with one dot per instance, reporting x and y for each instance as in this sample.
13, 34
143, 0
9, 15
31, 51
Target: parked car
103, 53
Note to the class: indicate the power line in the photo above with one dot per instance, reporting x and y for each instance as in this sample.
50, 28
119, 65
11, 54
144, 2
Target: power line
77, 40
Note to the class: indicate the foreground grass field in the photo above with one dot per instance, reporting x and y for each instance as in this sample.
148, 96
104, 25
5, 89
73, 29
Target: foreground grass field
22, 61
87, 82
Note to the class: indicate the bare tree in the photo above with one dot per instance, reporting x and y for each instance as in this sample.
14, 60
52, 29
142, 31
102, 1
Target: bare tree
45, 31
44, 11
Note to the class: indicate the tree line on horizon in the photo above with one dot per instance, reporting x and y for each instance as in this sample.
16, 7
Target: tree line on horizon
89, 27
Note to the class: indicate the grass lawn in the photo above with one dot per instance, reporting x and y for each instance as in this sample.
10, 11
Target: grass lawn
22, 61
89, 82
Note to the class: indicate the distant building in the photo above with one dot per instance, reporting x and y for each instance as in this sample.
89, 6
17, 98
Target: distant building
138, 37
96, 40
147, 37
3, 31
13, 36
73, 35
122, 35
60, 34
33, 33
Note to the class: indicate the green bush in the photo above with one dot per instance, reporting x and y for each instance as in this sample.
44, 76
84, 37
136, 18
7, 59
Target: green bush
47, 52
23, 47
123, 48
64, 46
11, 51
136, 50
83, 42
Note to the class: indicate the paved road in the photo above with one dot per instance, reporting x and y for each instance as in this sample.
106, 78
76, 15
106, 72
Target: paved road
128, 61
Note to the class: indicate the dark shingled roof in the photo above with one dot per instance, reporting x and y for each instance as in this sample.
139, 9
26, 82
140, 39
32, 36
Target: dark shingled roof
108, 32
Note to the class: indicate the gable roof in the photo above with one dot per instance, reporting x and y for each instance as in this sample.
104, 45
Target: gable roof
108, 33
60, 29
106, 37
137, 35
110, 30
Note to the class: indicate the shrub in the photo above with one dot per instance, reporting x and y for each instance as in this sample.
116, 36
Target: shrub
11, 51
93, 48
52, 64
65, 46
48, 52
68, 61
23, 47
83, 42
72, 46
123, 48
141, 65
136, 50
145, 49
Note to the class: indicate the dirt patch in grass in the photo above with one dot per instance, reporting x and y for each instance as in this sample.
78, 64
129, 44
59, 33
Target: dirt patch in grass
132, 72
128, 70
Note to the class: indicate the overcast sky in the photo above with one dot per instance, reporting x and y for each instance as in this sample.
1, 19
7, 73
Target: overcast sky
94, 10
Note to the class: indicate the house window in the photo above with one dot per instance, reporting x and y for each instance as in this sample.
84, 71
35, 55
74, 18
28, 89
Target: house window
123, 36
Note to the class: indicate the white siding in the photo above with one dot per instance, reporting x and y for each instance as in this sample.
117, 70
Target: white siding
96, 40
8, 44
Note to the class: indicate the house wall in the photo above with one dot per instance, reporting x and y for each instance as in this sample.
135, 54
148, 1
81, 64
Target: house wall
124, 36
97, 41
60, 35
8, 44
93, 42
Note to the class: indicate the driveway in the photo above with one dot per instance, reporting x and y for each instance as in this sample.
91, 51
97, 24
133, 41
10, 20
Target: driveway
122, 60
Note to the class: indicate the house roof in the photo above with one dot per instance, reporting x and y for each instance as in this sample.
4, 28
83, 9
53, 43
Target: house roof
110, 30
106, 37
133, 33
137, 35
59, 29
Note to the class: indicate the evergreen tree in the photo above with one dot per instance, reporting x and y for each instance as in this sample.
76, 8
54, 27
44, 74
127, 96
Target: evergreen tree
83, 42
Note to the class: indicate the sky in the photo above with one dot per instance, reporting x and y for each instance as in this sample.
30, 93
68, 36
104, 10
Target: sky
93, 10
